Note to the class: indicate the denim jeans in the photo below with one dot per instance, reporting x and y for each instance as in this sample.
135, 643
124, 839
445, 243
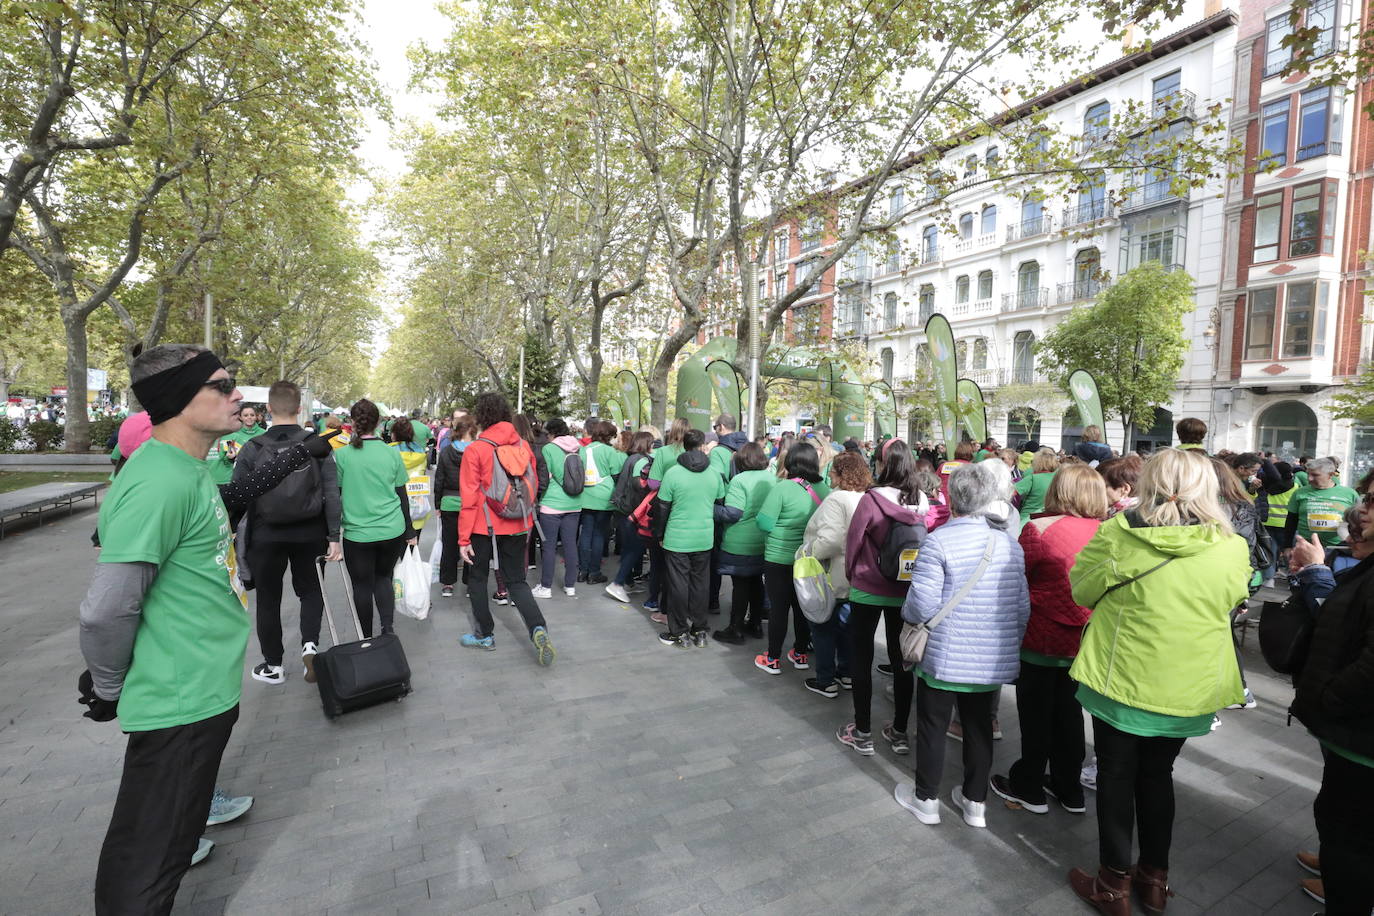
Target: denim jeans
591, 540
830, 646
631, 551
552, 527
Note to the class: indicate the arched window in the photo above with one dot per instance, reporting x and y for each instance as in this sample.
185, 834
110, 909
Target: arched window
966, 226
930, 243
1087, 267
960, 290
984, 285
921, 361
960, 355
1288, 428
1028, 285
887, 357
1096, 120
970, 166
1032, 212
989, 222
1023, 358
895, 203
980, 353
890, 310
991, 157
926, 301
1092, 198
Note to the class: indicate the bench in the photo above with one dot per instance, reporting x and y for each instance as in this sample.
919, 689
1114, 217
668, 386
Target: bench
46, 497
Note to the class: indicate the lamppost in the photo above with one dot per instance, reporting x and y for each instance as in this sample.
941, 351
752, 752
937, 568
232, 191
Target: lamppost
1212, 336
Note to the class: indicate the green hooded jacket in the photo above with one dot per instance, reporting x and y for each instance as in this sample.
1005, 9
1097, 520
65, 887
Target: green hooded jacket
1163, 642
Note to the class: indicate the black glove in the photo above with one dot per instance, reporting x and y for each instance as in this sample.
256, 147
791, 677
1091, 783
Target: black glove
97, 709
317, 447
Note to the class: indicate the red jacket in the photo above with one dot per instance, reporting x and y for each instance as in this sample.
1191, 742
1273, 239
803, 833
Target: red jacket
474, 476
1051, 544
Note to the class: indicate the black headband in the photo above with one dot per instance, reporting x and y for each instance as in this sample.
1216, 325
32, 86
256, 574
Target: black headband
165, 394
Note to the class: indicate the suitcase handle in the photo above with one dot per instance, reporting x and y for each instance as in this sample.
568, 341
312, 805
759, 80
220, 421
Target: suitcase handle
348, 592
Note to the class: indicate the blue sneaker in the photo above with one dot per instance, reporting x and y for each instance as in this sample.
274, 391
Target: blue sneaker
203, 848
473, 641
543, 646
651, 605
225, 808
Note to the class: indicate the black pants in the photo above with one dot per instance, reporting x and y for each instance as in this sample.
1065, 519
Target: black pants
1344, 811
863, 626
1051, 734
449, 560
687, 576
1135, 788
268, 560
777, 580
656, 562
159, 814
510, 562
746, 601
370, 567
934, 707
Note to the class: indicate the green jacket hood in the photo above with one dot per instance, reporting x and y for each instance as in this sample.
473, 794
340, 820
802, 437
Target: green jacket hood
1170, 540
694, 460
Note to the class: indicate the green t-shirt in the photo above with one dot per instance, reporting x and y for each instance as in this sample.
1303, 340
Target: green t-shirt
1300, 478
956, 688
1033, 488
859, 596
221, 458
602, 462
665, 456
693, 494
1142, 722
421, 434
556, 499
187, 665
1348, 755
747, 491
368, 478
1045, 661
783, 517
1320, 511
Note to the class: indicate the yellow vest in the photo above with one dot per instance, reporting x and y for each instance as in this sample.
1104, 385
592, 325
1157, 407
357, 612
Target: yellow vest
1278, 508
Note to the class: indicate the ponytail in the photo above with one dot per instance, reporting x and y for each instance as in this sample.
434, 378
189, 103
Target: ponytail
365, 419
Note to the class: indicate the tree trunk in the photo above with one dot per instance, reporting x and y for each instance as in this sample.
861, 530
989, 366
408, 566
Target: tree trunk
77, 431
658, 379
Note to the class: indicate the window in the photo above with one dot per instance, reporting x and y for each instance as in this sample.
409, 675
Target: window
1299, 320
804, 272
970, 166
1023, 358
961, 290
989, 222
1157, 246
1318, 125
966, 226
1268, 217
894, 255
1092, 198
849, 314
1096, 121
1322, 17
895, 203
1259, 323
1165, 91
960, 355
890, 310
887, 358
990, 159
1276, 56
806, 323
930, 243
812, 232
985, 285
1304, 227
1087, 264
980, 353
1289, 429
780, 242
1032, 208
1028, 280
1274, 134
926, 302
1161, 236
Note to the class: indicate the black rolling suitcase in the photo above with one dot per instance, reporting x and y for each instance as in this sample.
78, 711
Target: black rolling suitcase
358, 674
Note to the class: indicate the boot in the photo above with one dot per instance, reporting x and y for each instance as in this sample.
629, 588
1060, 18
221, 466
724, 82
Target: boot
1109, 892
730, 635
1152, 884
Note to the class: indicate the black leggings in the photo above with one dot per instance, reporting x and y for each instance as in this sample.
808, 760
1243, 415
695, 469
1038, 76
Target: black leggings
863, 626
370, 566
1135, 789
746, 601
777, 579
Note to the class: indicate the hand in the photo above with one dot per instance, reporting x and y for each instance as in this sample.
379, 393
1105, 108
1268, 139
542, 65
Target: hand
465, 552
1306, 552
317, 447
413, 542
335, 552
97, 710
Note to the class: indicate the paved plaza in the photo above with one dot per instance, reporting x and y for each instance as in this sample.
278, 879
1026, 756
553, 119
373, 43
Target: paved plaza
628, 778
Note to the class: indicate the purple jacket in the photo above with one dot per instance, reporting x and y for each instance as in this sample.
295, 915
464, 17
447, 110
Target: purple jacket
867, 530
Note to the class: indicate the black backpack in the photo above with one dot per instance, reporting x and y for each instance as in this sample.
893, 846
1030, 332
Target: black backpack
631, 485
574, 474
300, 496
897, 555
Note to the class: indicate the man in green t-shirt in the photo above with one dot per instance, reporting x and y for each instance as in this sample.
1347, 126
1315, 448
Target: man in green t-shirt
1319, 507
164, 626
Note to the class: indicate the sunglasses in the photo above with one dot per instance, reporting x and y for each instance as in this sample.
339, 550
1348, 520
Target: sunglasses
224, 386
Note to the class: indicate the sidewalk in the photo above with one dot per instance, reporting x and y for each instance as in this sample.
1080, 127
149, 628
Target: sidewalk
628, 778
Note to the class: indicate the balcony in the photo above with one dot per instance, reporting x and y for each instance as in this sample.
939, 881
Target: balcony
862, 273
1030, 228
1151, 195
1090, 212
1021, 375
924, 256
1025, 299
1179, 104
1080, 291
1313, 150
1092, 140
848, 327
985, 378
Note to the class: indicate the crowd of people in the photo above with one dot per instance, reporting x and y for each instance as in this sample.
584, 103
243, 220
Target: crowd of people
1088, 580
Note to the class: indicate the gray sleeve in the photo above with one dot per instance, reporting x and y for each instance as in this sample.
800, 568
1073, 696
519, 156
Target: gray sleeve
329, 480
109, 622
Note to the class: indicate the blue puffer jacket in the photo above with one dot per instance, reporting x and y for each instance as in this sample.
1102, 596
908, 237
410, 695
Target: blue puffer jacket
979, 641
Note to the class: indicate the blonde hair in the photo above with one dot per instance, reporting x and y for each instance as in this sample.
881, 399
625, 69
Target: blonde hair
677, 431
1077, 490
1045, 460
653, 431
1178, 487
1092, 433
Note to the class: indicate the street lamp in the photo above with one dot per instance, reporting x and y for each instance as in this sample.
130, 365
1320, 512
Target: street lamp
1212, 337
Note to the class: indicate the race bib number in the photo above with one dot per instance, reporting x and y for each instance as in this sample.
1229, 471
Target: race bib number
906, 564
232, 565
418, 486
1323, 521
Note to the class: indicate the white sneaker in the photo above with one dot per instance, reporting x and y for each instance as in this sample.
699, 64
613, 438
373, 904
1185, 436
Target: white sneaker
203, 847
540, 591
927, 810
1248, 703
975, 813
570, 591
618, 592
269, 674
1087, 777
308, 653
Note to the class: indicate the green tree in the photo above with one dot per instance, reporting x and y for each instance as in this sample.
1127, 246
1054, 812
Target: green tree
543, 380
1131, 340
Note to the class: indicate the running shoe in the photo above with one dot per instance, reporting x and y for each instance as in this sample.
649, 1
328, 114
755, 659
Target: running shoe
308, 653
543, 646
203, 847
885, 669
473, 641
1001, 786
658, 617
996, 729
1311, 862
1074, 804
541, 591
901, 744
845, 681
674, 642
1248, 703
269, 674
829, 690
446, 591
225, 808
570, 591
975, 813
850, 736
767, 665
501, 598
1087, 777
651, 605
799, 660
617, 591
699, 639
927, 810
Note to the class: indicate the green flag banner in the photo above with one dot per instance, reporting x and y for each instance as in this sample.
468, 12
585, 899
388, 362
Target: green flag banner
615, 411
1083, 390
973, 412
631, 398
726, 384
940, 339
884, 410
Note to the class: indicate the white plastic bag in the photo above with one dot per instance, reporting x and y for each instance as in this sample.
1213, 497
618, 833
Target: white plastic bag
411, 583
435, 555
